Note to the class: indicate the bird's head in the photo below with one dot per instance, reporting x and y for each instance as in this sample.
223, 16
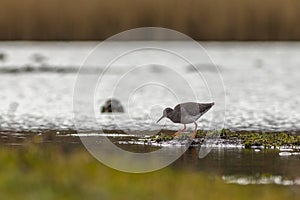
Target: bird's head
166, 113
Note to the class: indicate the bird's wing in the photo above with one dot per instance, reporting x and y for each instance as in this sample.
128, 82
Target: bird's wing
190, 108
194, 108
204, 107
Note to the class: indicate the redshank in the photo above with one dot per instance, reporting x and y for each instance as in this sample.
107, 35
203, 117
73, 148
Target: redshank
186, 113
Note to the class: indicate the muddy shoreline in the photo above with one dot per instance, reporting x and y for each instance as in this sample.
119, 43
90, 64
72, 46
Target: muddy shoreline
224, 138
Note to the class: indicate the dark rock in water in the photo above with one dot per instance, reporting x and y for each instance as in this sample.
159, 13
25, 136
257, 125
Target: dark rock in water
112, 105
2, 57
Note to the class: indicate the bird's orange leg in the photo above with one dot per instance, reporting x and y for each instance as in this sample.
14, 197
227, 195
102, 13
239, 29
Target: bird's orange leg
195, 130
180, 131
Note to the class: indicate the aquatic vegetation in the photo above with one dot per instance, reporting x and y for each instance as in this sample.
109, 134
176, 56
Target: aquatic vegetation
265, 139
247, 138
161, 137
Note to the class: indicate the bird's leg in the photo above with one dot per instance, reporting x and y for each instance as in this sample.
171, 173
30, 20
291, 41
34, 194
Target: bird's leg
180, 131
195, 130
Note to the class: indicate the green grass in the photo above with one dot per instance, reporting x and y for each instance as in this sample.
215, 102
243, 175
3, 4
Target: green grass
50, 172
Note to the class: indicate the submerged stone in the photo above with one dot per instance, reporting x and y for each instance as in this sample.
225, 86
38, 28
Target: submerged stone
112, 105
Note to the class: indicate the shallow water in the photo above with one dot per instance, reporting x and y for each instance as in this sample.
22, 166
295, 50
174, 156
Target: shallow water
261, 82
232, 163
237, 162
260, 79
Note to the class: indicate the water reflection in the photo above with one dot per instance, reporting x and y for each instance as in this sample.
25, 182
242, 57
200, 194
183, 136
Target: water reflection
250, 166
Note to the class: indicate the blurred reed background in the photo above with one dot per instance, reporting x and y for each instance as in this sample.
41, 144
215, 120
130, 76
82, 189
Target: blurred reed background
99, 19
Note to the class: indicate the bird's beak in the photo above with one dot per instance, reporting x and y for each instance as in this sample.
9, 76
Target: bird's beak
160, 119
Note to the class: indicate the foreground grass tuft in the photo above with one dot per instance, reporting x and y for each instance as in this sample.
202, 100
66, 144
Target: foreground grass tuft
49, 172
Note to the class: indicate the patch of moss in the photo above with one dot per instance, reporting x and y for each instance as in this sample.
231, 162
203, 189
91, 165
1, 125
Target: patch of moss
167, 135
227, 134
161, 137
269, 140
247, 138
200, 134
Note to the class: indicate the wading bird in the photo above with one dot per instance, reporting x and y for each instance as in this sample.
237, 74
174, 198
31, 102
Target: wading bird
186, 113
